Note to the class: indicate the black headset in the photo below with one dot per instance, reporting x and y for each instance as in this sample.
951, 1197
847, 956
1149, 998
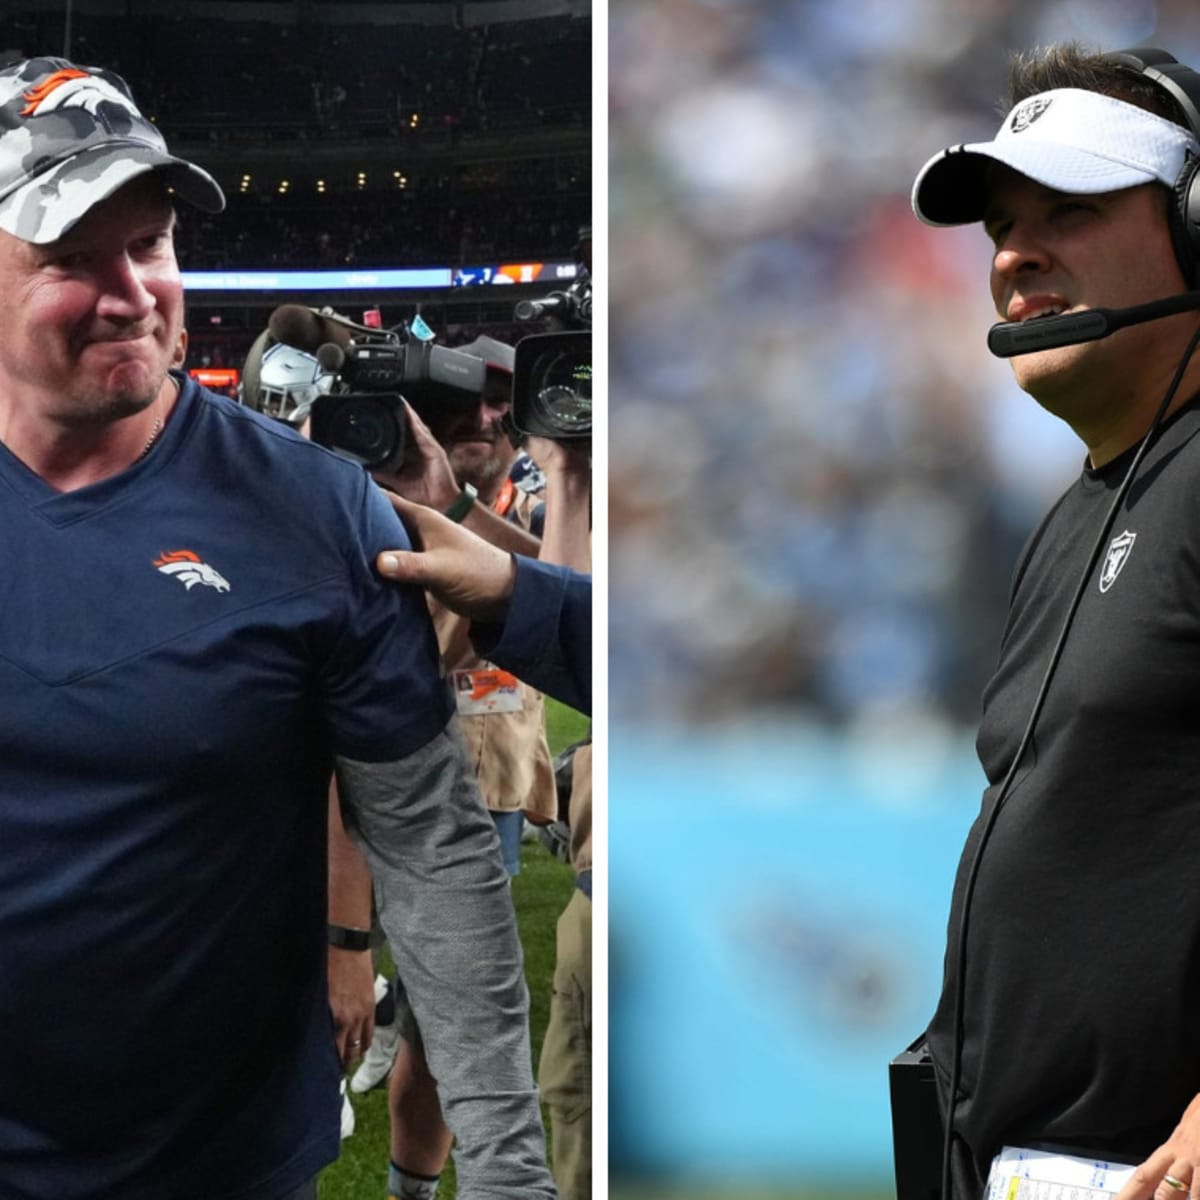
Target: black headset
1182, 84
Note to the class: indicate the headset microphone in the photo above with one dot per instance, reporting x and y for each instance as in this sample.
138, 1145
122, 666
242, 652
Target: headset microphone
1010, 338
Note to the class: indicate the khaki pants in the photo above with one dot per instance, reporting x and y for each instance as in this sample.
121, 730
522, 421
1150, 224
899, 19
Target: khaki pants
565, 1069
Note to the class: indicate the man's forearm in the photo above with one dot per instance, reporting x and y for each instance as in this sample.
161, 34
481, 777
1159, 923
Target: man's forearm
349, 875
567, 535
443, 901
493, 528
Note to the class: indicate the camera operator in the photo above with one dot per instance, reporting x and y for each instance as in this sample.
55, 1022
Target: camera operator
463, 464
545, 635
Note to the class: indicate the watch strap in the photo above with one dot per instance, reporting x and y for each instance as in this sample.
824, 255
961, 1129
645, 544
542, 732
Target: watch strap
349, 939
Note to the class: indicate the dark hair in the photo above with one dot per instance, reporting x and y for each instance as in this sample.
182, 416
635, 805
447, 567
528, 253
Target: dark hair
1071, 65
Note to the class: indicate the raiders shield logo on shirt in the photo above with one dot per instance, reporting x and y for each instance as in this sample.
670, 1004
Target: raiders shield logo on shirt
1115, 559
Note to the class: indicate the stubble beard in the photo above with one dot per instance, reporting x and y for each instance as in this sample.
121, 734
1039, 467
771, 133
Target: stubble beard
128, 389
97, 409
480, 474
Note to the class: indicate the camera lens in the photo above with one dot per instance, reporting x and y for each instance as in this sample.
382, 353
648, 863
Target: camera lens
365, 429
552, 385
563, 396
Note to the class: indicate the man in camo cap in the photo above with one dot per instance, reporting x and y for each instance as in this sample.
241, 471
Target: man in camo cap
186, 655
71, 137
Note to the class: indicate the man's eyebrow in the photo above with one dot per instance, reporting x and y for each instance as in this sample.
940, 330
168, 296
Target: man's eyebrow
42, 251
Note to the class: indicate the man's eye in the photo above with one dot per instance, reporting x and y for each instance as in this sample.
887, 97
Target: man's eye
1070, 207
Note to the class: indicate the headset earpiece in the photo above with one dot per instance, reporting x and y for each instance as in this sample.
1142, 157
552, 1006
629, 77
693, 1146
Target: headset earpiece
1185, 220
1182, 84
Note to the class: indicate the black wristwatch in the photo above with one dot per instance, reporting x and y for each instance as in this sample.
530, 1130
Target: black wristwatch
349, 939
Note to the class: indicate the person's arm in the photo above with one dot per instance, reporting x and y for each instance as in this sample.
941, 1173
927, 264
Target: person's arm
545, 637
541, 632
567, 532
443, 901
351, 970
493, 528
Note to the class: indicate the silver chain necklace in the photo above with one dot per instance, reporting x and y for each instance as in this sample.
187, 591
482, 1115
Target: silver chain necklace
158, 424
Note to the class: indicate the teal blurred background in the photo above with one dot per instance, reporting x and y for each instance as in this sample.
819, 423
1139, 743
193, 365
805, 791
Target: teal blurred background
819, 481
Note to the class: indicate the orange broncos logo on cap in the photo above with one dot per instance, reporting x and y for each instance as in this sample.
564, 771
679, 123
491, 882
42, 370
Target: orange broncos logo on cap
36, 95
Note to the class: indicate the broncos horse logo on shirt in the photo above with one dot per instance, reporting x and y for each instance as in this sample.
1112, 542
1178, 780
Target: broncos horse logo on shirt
187, 567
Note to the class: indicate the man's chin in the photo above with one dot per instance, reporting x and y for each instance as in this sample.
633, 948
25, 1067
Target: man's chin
474, 458
1062, 381
124, 391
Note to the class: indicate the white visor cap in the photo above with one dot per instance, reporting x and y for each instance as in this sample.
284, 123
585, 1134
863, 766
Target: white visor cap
1068, 139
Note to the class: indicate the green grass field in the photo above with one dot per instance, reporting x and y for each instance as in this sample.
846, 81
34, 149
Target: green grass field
540, 893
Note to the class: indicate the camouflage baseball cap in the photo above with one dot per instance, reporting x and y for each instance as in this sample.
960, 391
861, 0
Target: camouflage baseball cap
70, 136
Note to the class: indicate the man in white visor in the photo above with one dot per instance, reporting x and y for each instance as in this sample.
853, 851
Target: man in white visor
1069, 1012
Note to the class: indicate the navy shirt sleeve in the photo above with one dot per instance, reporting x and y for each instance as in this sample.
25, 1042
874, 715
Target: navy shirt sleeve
383, 683
546, 636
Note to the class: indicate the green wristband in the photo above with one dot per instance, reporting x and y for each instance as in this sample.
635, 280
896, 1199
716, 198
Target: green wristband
463, 503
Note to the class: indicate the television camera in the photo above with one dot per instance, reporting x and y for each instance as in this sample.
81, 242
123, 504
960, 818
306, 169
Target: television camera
351, 380
552, 376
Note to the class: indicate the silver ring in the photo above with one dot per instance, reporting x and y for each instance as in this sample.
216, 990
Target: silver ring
355, 1042
1177, 1184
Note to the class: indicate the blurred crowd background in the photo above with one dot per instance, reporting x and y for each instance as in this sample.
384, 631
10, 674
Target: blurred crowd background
819, 475
819, 482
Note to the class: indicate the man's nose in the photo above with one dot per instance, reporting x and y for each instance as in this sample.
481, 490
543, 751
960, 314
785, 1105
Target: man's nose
123, 293
1023, 250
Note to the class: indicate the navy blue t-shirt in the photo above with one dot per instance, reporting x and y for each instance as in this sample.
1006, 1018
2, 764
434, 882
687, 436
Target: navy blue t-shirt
183, 649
